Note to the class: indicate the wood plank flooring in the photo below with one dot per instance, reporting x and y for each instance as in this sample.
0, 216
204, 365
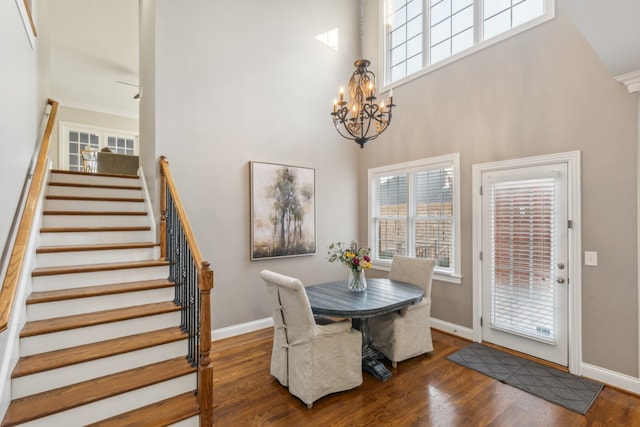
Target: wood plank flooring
423, 391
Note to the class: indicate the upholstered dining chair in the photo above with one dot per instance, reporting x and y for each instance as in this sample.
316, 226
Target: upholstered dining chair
406, 333
313, 360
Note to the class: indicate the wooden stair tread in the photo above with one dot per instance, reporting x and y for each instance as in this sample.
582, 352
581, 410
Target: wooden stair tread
39, 405
95, 213
98, 247
39, 327
90, 268
97, 186
50, 360
91, 229
97, 199
163, 413
111, 175
94, 291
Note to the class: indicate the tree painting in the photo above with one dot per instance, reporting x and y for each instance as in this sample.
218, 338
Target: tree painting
283, 210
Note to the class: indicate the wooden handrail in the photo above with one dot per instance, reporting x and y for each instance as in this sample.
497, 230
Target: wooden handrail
16, 260
205, 285
166, 180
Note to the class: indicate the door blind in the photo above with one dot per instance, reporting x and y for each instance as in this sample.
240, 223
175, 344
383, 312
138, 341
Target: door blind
522, 221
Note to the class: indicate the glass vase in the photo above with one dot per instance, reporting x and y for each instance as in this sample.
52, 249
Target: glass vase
356, 282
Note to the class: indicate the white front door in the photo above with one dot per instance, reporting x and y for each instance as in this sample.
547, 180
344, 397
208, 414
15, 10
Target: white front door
524, 260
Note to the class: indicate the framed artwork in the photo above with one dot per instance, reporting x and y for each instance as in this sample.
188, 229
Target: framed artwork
283, 211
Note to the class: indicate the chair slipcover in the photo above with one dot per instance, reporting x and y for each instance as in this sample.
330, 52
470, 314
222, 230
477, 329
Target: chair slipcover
406, 333
312, 360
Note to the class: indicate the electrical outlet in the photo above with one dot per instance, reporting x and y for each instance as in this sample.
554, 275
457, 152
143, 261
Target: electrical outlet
591, 258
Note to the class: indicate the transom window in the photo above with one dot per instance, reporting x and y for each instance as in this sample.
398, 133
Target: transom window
414, 211
421, 33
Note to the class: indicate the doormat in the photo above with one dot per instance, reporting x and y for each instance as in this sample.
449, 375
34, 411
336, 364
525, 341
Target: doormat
553, 385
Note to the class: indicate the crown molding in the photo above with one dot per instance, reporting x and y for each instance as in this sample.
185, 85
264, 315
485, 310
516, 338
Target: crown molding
630, 80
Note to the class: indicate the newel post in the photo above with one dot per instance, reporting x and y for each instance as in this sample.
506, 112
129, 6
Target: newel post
205, 369
163, 208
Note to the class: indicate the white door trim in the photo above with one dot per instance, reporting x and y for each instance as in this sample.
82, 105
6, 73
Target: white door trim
572, 159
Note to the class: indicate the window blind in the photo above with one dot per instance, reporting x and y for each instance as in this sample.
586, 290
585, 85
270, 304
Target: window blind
390, 219
433, 215
522, 221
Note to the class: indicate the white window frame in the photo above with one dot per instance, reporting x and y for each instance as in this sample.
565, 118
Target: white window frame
453, 274
103, 134
479, 44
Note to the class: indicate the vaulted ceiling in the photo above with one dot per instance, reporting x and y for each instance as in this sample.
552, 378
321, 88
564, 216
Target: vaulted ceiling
94, 45
613, 30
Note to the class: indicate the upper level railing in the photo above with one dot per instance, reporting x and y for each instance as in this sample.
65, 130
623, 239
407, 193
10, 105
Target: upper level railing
193, 283
18, 251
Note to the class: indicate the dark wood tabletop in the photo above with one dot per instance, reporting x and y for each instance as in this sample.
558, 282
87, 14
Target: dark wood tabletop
334, 299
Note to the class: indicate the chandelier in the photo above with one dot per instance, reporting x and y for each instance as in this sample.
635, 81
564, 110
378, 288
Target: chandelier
361, 119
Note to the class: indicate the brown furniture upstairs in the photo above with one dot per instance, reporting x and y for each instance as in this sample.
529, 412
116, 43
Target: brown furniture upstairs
120, 164
334, 299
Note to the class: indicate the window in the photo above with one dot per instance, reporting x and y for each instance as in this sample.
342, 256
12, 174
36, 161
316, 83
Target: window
76, 139
414, 211
419, 34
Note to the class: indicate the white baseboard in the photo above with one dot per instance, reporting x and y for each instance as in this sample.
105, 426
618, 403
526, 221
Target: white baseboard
243, 328
452, 328
614, 379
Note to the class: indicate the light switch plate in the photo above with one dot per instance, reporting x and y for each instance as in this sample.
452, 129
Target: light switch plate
591, 258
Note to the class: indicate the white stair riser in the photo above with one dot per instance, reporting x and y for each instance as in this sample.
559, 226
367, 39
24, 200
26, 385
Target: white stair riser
93, 179
76, 280
94, 237
90, 334
55, 378
125, 402
95, 221
93, 205
56, 259
51, 310
54, 190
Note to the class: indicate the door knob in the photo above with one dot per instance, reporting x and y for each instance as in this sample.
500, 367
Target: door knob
560, 280
561, 265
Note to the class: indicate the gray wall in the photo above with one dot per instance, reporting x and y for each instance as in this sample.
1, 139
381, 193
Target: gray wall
236, 82
542, 91
21, 110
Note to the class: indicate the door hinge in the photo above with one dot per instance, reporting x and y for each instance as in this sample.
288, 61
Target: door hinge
481, 321
480, 255
569, 224
481, 190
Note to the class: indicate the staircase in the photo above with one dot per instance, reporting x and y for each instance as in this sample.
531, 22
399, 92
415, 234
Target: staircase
102, 343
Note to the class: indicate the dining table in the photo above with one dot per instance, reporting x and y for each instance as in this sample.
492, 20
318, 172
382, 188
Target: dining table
334, 299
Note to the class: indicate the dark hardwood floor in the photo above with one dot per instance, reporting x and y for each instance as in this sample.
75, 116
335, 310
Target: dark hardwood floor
424, 391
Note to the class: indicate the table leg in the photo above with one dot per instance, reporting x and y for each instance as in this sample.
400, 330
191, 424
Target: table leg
370, 356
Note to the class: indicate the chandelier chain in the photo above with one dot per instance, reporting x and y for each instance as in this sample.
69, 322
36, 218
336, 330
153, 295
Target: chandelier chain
361, 28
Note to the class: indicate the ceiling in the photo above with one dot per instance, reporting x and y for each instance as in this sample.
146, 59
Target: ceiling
613, 30
94, 45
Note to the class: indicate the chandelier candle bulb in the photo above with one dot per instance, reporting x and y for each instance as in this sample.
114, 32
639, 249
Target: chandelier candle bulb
341, 94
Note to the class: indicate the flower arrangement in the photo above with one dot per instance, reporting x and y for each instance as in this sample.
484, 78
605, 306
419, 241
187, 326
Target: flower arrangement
351, 256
